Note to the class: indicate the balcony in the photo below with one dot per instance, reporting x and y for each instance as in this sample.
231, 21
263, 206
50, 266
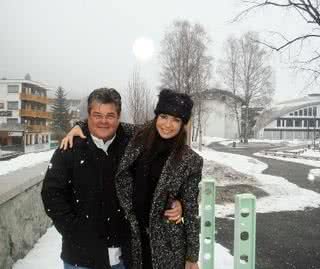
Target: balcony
37, 128
34, 98
35, 114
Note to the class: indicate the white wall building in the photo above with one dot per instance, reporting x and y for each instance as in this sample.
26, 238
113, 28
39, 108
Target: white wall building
292, 119
219, 119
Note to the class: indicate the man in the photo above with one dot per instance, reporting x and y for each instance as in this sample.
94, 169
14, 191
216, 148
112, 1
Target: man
79, 191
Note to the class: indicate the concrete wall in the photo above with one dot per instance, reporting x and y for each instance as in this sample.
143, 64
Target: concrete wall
22, 217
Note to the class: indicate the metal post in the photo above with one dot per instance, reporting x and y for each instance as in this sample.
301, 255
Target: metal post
207, 209
245, 232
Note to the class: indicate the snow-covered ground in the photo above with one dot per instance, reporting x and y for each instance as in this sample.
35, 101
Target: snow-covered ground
283, 196
25, 160
293, 160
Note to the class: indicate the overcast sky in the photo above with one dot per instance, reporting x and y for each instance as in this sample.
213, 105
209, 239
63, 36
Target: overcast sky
85, 44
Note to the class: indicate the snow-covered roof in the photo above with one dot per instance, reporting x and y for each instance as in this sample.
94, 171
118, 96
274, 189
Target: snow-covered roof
285, 107
20, 81
213, 93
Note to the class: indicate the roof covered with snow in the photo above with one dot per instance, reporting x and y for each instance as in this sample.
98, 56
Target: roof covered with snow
213, 93
285, 107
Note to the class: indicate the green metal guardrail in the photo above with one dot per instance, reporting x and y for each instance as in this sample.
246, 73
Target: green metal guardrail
244, 228
207, 208
245, 232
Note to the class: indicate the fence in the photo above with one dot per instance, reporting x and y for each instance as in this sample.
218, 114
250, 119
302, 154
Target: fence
244, 228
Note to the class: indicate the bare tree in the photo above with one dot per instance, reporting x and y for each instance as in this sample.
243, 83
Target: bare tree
308, 11
185, 63
228, 71
139, 99
247, 74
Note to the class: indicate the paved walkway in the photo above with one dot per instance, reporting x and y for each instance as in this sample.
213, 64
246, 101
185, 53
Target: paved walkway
285, 240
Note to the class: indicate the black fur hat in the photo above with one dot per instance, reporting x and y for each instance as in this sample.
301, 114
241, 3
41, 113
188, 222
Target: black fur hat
175, 104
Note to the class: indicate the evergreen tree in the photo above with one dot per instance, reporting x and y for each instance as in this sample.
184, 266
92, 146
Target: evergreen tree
60, 115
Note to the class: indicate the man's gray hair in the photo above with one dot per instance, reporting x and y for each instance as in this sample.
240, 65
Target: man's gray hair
105, 96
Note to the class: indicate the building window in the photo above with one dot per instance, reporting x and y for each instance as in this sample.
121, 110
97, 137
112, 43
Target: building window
300, 112
13, 105
289, 123
305, 112
1, 105
291, 114
298, 123
305, 123
13, 88
310, 111
312, 123
278, 123
314, 111
12, 120
296, 113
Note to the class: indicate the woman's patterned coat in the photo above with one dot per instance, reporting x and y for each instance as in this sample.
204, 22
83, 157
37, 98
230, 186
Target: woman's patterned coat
171, 244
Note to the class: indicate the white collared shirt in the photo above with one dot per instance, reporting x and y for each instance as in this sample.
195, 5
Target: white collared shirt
102, 145
114, 253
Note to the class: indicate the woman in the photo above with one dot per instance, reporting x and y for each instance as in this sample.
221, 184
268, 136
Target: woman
158, 166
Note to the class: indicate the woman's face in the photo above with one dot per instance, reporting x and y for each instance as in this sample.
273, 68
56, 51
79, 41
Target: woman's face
168, 126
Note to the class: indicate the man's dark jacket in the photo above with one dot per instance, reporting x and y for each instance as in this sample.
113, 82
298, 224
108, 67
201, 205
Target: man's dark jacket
79, 196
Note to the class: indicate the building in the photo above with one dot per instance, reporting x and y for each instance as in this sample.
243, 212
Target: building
289, 120
23, 115
219, 119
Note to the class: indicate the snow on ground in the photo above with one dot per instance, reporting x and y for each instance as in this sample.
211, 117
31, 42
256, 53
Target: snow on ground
283, 195
293, 160
46, 254
206, 140
311, 153
25, 160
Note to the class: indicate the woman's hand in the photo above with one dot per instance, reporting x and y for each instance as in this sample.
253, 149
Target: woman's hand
68, 139
191, 265
174, 214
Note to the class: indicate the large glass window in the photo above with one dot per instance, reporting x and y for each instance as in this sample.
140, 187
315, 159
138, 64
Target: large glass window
12, 120
298, 123
310, 111
278, 123
305, 123
13, 88
289, 123
314, 111
312, 123
300, 112
305, 112
13, 105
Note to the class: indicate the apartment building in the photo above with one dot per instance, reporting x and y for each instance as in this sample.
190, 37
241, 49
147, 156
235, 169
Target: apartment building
24, 115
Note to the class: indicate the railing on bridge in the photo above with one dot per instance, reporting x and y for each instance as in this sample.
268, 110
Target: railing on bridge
244, 228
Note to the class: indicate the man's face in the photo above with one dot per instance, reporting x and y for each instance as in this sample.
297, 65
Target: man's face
103, 120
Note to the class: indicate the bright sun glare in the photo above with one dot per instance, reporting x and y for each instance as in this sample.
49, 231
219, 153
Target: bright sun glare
143, 49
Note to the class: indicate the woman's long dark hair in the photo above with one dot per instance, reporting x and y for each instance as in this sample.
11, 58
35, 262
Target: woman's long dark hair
149, 133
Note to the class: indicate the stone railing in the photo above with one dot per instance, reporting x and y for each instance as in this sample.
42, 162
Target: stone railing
22, 217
